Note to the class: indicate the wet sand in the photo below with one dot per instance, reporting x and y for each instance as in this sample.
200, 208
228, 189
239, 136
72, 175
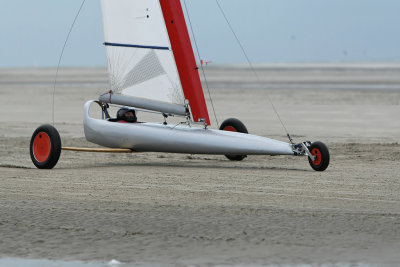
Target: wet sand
205, 210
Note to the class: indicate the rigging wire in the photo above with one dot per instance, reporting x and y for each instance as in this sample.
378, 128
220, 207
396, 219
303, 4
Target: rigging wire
252, 67
61, 55
201, 65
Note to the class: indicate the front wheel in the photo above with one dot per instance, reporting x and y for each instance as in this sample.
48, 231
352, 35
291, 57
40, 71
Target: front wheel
321, 153
45, 147
234, 125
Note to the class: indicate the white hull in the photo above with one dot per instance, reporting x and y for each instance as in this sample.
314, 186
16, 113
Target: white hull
153, 137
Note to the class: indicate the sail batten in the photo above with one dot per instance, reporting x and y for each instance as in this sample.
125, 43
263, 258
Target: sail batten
138, 46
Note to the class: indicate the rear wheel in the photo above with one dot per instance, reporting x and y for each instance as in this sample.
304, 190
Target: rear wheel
234, 125
321, 153
45, 147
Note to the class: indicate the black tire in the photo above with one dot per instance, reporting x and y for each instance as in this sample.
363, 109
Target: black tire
45, 147
321, 162
234, 125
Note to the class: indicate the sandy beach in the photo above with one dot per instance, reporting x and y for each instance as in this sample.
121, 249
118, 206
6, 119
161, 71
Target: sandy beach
196, 210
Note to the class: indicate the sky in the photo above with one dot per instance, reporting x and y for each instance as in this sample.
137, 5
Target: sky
271, 31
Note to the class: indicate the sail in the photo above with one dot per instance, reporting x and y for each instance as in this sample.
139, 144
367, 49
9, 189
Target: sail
150, 55
140, 59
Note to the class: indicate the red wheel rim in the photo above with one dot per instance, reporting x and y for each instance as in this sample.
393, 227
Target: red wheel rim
41, 147
230, 129
318, 157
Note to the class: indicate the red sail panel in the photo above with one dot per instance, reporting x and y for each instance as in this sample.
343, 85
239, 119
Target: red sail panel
184, 58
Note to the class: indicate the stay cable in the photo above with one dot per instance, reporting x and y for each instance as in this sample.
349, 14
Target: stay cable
61, 55
252, 67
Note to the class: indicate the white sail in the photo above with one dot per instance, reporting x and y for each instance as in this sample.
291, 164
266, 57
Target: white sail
140, 59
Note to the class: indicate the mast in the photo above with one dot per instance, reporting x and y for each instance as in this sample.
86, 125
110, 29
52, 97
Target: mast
184, 58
